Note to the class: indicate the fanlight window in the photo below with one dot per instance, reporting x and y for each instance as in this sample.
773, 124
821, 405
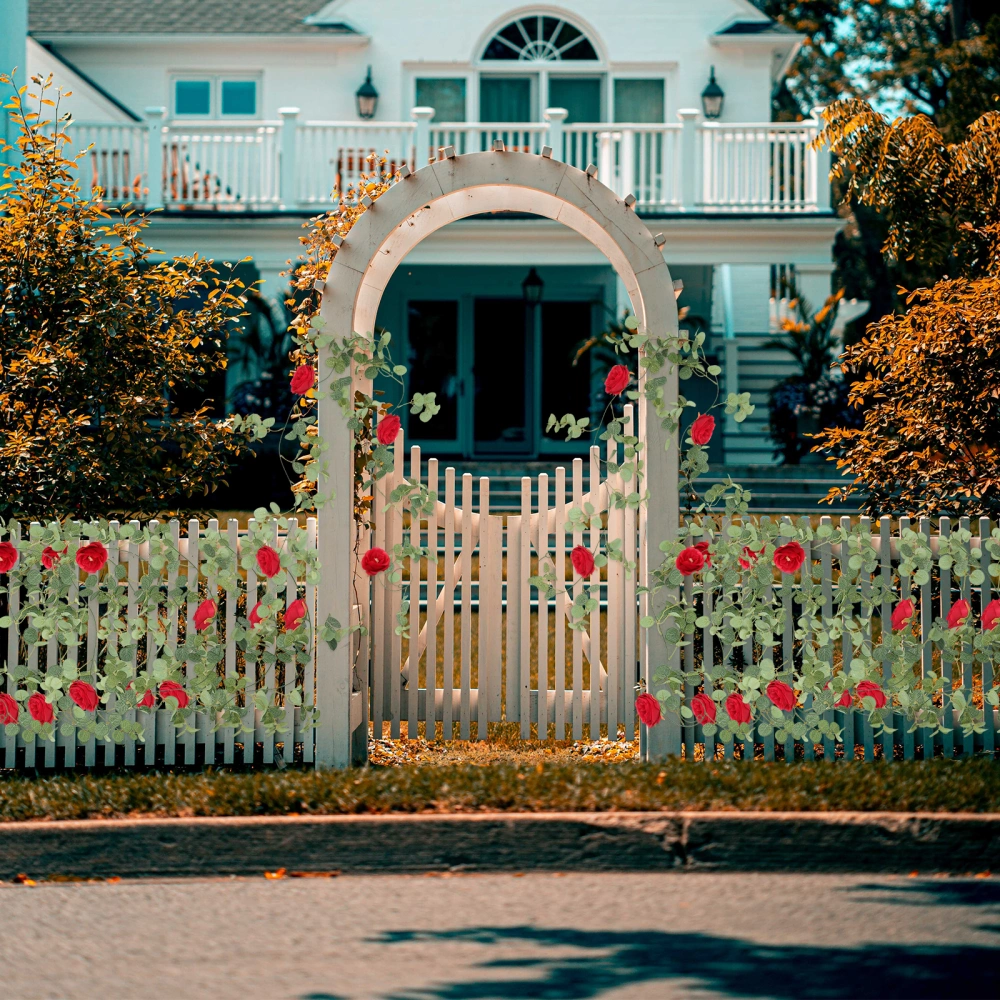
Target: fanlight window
540, 39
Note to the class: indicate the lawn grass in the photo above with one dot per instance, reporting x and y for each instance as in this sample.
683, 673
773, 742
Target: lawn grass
532, 786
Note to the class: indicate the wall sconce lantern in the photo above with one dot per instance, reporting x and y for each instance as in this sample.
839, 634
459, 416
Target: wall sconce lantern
712, 97
532, 286
367, 97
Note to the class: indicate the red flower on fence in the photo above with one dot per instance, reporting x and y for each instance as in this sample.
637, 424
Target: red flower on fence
617, 381
648, 709
39, 708
750, 556
84, 695
51, 556
782, 696
869, 689
91, 558
737, 709
148, 700
991, 615
254, 617
205, 614
268, 561
9, 710
844, 701
702, 429
789, 557
702, 547
375, 561
171, 689
703, 708
902, 614
388, 429
303, 379
960, 610
8, 557
690, 560
295, 615
582, 560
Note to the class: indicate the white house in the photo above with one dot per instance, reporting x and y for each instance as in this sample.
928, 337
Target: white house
237, 121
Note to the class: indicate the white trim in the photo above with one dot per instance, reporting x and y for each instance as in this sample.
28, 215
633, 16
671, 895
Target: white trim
170, 38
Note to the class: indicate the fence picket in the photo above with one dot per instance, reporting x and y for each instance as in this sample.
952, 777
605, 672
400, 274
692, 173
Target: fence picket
630, 604
767, 652
430, 713
250, 667
807, 584
465, 663
966, 591
985, 596
826, 566
232, 598
394, 643
905, 587
577, 637
413, 675
788, 639
560, 611
947, 667
594, 654
885, 558
525, 609
483, 615
448, 675
927, 648
288, 668
542, 548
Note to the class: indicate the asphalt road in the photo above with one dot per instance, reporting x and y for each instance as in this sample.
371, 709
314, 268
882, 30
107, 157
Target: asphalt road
480, 937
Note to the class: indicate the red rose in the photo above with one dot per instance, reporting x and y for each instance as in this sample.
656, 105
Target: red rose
148, 700
84, 695
375, 561
617, 381
268, 561
959, 612
296, 612
9, 710
648, 709
781, 695
750, 556
902, 614
303, 379
737, 709
39, 709
171, 689
869, 689
702, 429
254, 617
582, 560
991, 615
702, 547
789, 557
703, 708
388, 429
91, 557
690, 560
50, 556
204, 615
8, 557
844, 701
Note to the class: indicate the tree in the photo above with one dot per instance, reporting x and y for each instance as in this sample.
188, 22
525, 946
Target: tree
930, 377
98, 342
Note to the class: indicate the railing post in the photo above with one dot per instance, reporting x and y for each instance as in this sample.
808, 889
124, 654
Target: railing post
689, 157
289, 173
421, 136
154, 163
626, 166
606, 161
823, 166
556, 117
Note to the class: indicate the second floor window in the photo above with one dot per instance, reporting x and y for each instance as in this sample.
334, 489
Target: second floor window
215, 97
446, 95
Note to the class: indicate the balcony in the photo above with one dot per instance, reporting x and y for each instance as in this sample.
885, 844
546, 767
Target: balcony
687, 166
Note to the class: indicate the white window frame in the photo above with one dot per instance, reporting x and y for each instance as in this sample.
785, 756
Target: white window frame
646, 71
215, 81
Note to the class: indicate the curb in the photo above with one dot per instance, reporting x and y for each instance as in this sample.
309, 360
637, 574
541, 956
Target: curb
591, 842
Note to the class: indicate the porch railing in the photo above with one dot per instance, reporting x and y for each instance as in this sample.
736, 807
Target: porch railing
687, 166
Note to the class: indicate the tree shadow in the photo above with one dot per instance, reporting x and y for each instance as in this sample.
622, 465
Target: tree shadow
941, 892
614, 960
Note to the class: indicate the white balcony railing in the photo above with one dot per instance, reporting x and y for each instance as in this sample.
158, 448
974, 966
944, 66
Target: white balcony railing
688, 166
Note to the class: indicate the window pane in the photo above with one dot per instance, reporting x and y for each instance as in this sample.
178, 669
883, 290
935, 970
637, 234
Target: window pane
565, 386
239, 97
501, 400
192, 97
432, 357
639, 101
505, 99
446, 97
581, 98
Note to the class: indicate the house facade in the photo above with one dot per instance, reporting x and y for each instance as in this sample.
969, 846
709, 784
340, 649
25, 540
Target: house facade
238, 122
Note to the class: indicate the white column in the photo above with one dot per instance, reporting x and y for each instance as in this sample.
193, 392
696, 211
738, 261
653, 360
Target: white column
289, 189
421, 136
688, 181
556, 117
823, 165
813, 283
154, 168
13, 54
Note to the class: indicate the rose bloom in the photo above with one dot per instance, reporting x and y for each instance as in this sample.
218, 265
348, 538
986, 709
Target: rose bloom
789, 557
204, 615
702, 547
51, 556
648, 709
91, 557
388, 429
690, 560
171, 689
991, 615
737, 709
303, 379
295, 614
869, 689
254, 617
617, 381
702, 429
781, 695
703, 708
268, 561
750, 556
84, 695
375, 561
148, 700
582, 560
8, 557
901, 614
960, 610
9, 709
39, 708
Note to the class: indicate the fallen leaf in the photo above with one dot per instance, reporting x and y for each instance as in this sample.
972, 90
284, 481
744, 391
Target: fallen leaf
914, 874
330, 874
280, 873
985, 874
22, 879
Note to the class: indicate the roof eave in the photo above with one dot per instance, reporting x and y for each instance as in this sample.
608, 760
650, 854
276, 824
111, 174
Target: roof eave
165, 37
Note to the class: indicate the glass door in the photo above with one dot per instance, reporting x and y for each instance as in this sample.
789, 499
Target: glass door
432, 357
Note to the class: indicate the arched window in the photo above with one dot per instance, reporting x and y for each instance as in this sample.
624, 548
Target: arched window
540, 38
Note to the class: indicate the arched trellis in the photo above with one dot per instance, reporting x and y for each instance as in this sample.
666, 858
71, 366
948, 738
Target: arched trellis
453, 188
